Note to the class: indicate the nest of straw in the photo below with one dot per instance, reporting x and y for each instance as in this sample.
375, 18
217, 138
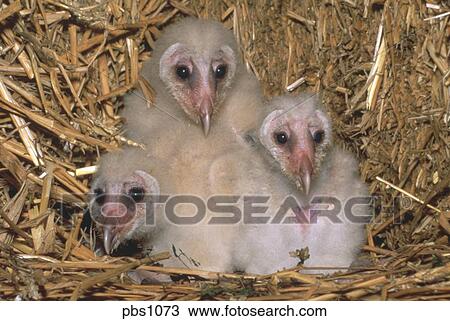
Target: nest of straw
381, 66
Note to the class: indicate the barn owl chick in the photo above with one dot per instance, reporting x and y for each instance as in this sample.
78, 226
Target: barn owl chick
193, 68
122, 196
298, 134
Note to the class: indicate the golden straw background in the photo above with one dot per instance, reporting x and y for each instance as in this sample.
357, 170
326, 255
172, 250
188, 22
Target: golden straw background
380, 66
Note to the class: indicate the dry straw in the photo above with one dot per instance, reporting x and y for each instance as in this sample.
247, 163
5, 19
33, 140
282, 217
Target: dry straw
380, 66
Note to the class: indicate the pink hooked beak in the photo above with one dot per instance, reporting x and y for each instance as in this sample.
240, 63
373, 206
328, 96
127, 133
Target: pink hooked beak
112, 234
204, 97
205, 112
302, 159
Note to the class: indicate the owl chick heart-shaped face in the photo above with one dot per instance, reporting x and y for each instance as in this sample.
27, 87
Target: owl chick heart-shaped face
118, 205
198, 80
297, 133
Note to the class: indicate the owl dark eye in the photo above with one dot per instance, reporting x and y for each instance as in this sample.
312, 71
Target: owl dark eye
99, 196
220, 71
183, 72
136, 193
281, 138
318, 136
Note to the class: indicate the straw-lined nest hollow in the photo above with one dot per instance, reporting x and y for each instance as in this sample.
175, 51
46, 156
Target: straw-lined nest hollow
380, 66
